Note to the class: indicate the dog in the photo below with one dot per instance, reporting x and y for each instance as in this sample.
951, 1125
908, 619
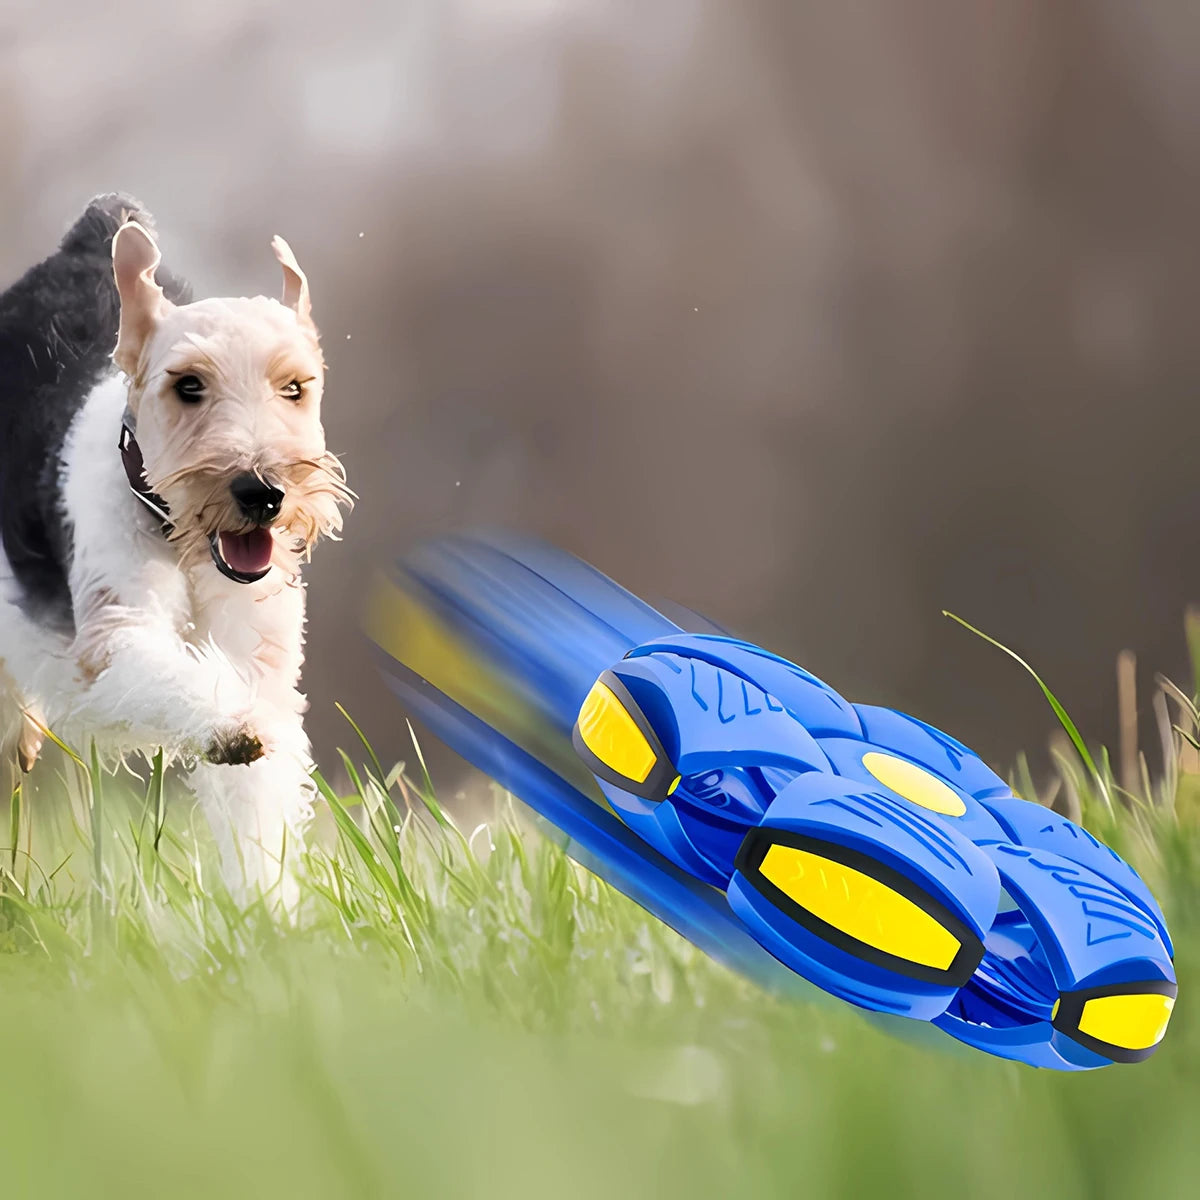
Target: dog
163, 479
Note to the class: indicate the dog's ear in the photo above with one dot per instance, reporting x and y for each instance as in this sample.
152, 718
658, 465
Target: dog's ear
135, 259
295, 283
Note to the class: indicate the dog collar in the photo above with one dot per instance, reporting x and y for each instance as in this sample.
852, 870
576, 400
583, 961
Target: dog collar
135, 472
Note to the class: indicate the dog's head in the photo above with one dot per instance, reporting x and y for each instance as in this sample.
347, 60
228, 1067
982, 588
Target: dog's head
226, 397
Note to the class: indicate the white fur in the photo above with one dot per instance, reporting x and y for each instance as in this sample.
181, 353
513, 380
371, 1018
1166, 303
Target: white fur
184, 655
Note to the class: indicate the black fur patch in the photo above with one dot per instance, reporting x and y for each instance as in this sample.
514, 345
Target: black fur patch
58, 329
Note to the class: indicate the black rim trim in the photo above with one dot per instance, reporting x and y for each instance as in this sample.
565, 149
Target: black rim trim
1070, 1013
655, 786
970, 951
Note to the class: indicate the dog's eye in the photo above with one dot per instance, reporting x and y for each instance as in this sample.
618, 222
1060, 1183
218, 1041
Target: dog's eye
292, 391
189, 388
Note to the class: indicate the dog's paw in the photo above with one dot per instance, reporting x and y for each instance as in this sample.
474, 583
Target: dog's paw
236, 749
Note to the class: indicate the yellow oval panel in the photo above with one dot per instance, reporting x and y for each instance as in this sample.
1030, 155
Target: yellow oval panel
915, 784
1133, 1022
859, 906
612, 735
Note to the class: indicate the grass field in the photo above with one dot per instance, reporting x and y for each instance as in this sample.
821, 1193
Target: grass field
472, 1015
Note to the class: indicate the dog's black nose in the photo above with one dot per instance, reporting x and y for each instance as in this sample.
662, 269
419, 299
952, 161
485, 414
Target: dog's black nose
259, 501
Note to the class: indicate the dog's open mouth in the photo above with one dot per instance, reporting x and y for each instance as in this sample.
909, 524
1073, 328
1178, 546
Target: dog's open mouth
243, 557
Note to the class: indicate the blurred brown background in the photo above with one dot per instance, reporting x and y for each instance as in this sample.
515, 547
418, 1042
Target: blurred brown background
818, 318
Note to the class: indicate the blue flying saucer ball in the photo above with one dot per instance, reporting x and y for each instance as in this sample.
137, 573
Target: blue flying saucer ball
786, 831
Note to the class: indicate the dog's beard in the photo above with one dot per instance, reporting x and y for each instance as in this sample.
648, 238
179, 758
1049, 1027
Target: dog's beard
208, 526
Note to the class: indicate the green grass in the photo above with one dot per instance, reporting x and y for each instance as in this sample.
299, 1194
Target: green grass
471, 1015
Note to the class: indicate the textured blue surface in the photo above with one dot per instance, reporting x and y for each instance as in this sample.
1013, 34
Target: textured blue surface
766, 751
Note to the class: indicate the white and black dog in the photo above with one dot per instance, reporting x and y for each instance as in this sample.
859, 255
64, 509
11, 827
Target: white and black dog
163, 477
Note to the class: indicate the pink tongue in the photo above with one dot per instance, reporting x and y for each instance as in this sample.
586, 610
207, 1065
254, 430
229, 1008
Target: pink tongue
248, 552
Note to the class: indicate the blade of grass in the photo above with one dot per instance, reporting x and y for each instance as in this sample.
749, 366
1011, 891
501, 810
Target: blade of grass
96, 795
14, 825
1060, 712
428, 796
380, 773
349, 829
156, 791
1191, 633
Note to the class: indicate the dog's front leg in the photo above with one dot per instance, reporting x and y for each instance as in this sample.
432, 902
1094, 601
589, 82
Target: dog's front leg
139, 683
258, 815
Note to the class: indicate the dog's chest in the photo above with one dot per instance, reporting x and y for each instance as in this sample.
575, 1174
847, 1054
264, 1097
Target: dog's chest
256, 626
218, 614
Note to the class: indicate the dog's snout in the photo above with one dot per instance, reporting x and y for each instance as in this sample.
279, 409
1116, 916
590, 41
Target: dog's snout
258, 500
